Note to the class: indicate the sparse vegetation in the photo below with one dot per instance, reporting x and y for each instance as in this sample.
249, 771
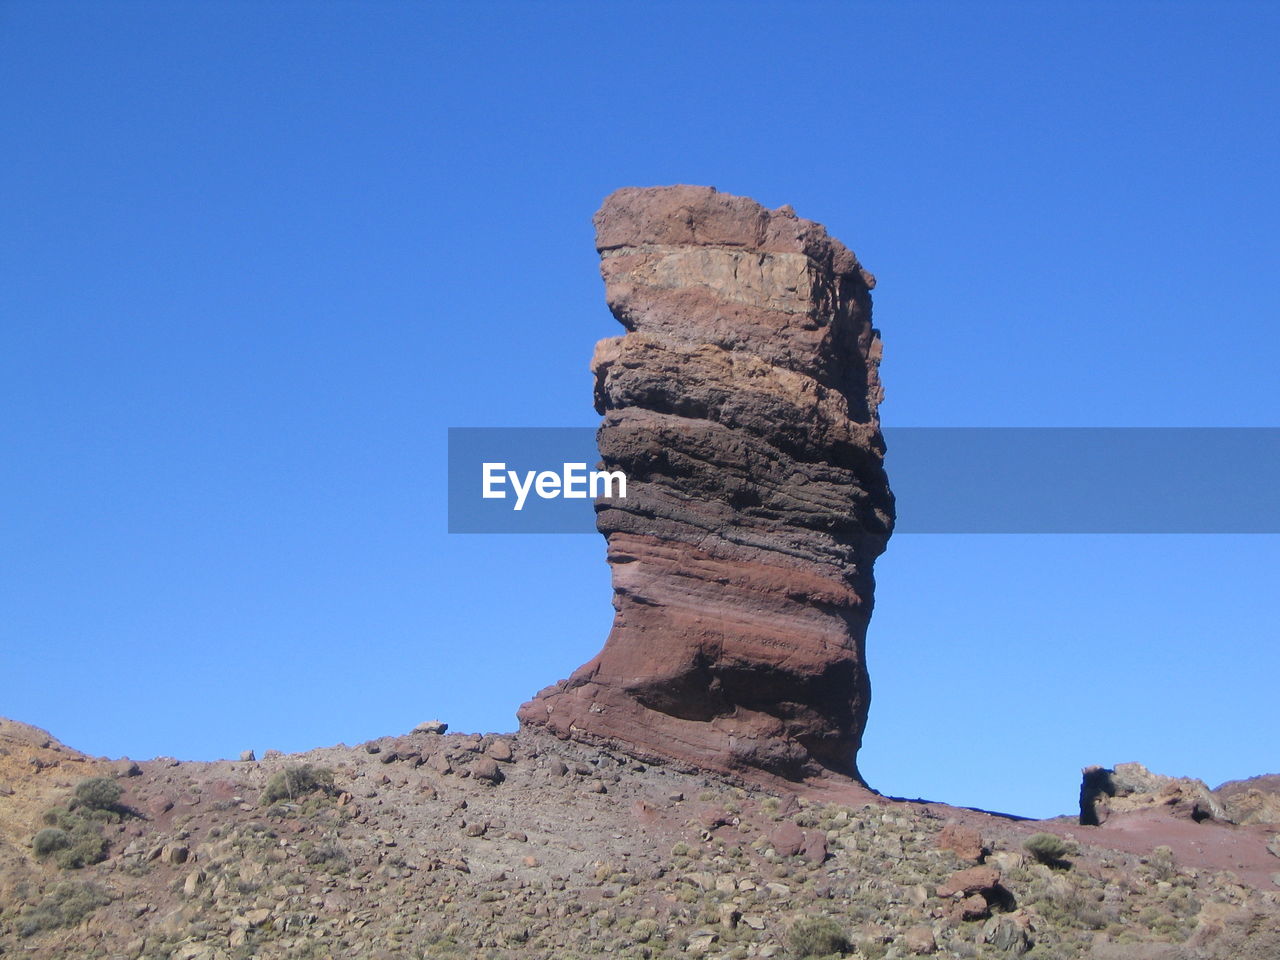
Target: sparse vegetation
66, 904
49, 840
817, 937
307, 876
296, 781
98, 793
72, 835
1047, 848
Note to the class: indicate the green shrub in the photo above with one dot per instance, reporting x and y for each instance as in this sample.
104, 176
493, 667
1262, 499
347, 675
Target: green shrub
296, 781
63, 906
328, 856
817, 937
98, 793
72, 840
1047, 848
87, 846
50, 839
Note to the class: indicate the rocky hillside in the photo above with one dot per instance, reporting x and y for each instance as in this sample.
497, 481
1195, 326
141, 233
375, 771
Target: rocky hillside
446, 845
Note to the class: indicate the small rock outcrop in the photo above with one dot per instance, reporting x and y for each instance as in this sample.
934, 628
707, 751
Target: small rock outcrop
1131, 787
1256, 800
742, 406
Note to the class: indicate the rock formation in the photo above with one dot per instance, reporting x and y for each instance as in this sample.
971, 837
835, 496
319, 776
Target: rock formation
1130, 788
1256, 800
741, 404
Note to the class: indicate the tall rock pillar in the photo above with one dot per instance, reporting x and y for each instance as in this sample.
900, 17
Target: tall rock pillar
741, 404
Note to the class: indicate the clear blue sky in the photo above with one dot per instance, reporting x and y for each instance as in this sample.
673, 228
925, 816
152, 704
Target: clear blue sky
256, 258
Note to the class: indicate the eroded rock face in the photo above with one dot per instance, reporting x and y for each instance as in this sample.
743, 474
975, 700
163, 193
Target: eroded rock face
741, 403
1131, 787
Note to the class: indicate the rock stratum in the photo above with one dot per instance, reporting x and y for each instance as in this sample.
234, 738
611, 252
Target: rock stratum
742, 405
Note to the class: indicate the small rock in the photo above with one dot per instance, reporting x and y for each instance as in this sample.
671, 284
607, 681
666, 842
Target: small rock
1008, 933
558, 768
372, 748
964, 842
814, 850
248, 756
973, 908
970, 881
702, 941
500, 750
191, 886
174, 854
257, 918
477, 828
753, 920
431, 726
127, 768
486, 770
920, 940
787, 839
272, 754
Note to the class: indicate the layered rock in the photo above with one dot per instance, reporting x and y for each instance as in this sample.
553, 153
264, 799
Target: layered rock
741, 404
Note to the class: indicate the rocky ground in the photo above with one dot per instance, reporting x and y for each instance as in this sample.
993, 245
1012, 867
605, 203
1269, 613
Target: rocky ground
451, 845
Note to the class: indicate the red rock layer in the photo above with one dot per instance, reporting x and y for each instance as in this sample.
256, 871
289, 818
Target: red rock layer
741, 404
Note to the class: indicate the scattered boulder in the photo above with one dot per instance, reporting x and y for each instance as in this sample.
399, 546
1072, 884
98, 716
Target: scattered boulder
920, 940
787, 839
814, 850
983, 879
965, 842
1010, 933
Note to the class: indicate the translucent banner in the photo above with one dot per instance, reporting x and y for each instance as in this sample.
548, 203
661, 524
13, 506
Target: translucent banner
945, 479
